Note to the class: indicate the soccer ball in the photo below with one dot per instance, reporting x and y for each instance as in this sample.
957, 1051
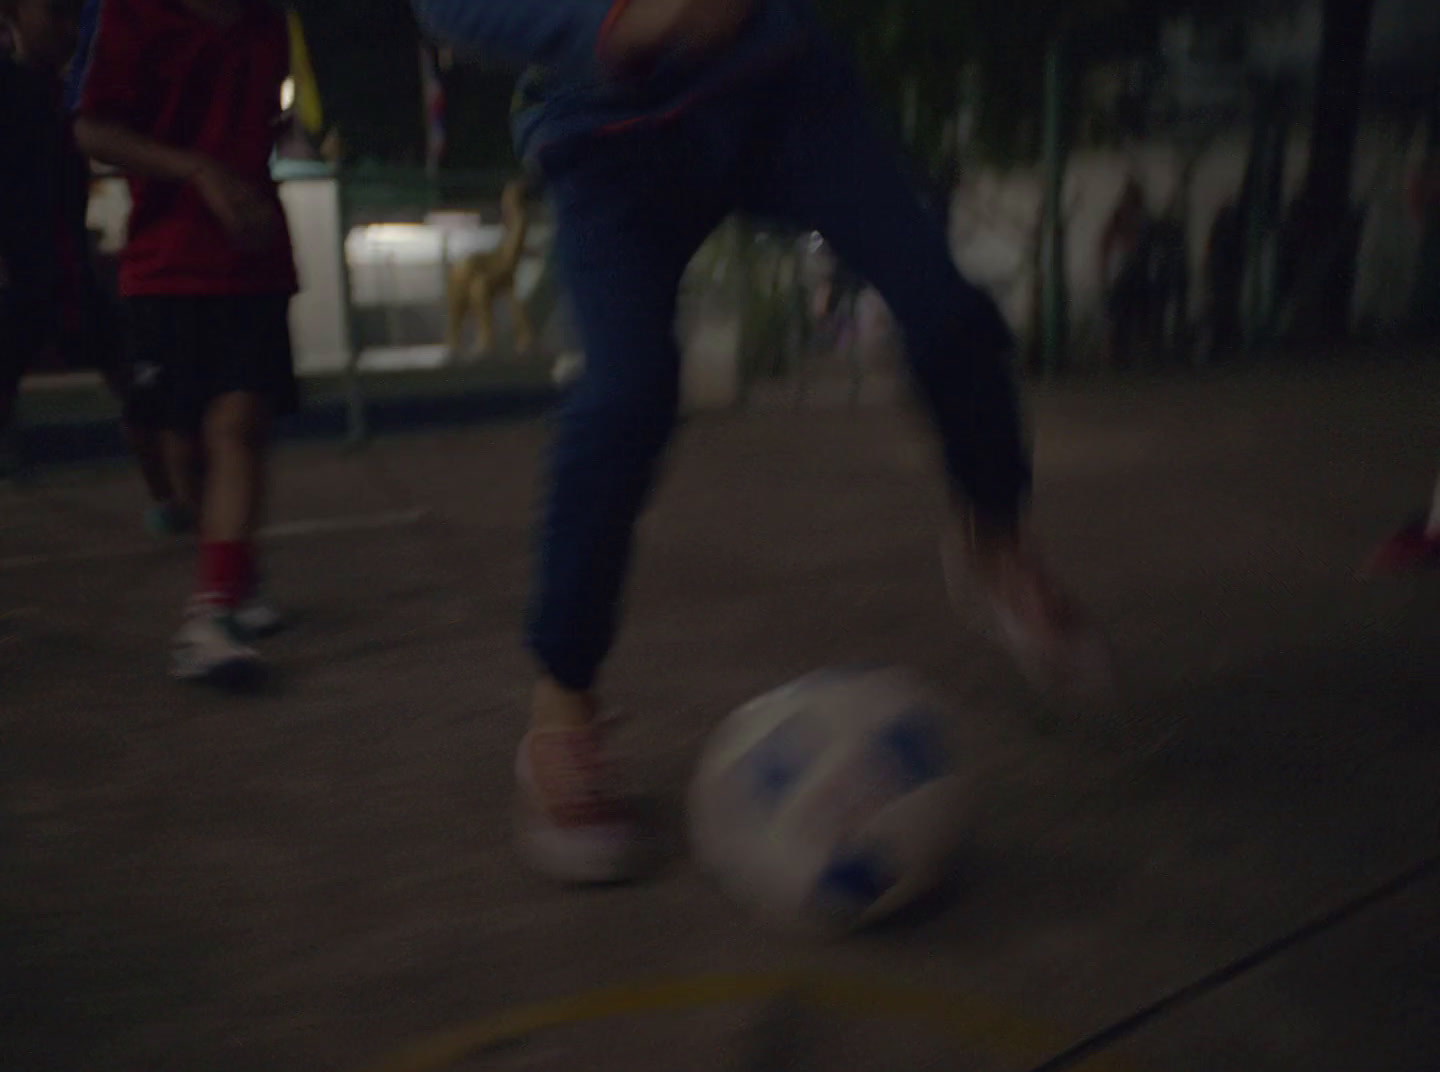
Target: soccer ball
833, 801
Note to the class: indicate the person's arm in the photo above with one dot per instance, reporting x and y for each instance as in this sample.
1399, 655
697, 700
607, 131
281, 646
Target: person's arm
117, 98
604, 36
114, 143
245, 212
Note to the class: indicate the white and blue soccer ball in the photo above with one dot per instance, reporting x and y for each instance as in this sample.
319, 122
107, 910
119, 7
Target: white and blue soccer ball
831, 802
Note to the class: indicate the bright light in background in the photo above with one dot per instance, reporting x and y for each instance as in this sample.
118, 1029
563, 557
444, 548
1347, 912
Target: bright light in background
394, 243
399, 234
287, 95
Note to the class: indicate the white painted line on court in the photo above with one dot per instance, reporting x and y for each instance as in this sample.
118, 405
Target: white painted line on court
286, 530
398, 519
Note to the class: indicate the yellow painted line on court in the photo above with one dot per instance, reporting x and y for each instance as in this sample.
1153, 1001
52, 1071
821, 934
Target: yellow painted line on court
972, 1021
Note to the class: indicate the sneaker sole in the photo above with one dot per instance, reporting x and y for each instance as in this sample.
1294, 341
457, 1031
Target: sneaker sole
232, 675
603, 856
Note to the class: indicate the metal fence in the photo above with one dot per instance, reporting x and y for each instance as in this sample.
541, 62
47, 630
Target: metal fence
402, 235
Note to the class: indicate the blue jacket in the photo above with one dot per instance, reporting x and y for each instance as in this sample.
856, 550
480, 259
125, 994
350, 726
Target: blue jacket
566, 93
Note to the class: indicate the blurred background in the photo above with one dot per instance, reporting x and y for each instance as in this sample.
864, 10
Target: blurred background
1141, 183
1215, 227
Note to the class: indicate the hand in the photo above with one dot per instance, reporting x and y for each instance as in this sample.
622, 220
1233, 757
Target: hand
250, 218
647, 27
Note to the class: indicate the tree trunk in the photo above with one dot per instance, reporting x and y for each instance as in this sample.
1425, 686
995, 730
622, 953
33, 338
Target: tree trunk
1324, 227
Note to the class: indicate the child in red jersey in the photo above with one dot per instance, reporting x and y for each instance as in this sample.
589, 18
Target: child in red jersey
184, 95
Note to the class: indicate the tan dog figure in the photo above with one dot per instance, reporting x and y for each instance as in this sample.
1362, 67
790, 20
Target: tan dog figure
478, 281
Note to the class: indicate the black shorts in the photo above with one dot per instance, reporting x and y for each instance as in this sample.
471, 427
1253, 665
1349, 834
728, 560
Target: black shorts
186, 352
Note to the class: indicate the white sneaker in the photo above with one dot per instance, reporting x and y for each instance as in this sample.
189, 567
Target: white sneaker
573, 824
257, 619
210, 647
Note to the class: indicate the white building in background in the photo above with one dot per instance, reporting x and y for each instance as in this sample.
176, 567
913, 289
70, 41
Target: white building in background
398, 269
1204, 98
997, 212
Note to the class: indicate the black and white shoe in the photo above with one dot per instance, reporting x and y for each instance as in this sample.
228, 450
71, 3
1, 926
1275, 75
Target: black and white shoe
211, 648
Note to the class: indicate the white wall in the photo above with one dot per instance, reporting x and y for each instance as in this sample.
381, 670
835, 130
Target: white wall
318, 328
995, 220
997, 213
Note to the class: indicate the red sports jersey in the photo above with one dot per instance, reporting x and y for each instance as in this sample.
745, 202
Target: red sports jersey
165, 71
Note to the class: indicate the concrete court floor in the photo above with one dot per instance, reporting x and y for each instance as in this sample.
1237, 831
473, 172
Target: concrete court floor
314, 877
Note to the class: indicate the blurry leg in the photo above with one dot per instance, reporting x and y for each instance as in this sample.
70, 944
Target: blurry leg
829, 169
230, 371
625, 237
256, 384
622, 251
833, 172
136, 375
237, 429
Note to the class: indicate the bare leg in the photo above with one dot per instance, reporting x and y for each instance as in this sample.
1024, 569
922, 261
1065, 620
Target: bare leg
237, 429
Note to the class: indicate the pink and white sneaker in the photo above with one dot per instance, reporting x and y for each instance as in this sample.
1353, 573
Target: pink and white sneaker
574, 824
1015, 601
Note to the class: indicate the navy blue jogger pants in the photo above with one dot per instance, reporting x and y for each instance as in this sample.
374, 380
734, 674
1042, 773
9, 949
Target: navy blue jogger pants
633, 206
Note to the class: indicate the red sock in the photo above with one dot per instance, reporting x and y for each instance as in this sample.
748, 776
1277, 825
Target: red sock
227, 571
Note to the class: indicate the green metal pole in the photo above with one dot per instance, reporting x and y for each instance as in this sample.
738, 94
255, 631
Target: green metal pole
1054, 295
